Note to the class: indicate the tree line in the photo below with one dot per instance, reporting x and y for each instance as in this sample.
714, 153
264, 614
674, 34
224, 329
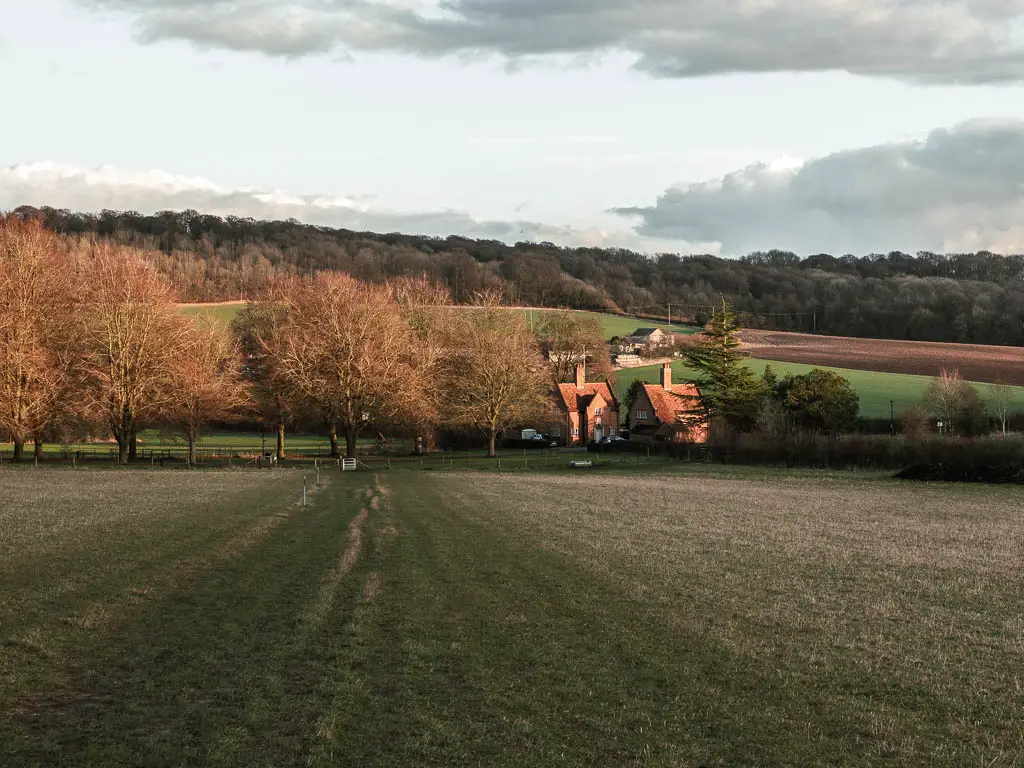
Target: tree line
968, 297
92, 343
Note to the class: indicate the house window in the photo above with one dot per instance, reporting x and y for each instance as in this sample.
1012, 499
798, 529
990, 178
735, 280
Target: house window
598, 411
556, 431
641, 414
611, 430
575, 431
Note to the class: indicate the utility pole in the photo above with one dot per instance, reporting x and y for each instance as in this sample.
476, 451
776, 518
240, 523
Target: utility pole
670, 313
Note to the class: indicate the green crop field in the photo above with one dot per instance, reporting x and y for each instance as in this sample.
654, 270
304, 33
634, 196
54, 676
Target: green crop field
617, 325
219, 313
875, 389
693, 616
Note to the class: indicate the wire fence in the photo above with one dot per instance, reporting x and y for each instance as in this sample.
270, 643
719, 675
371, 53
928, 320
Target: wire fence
211, 457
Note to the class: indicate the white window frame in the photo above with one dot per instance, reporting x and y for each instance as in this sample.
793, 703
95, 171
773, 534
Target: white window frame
556, 431
641, 414
575, 431
599, 411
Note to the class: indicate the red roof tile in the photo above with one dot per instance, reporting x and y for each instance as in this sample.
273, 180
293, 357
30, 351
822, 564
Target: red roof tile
681, 405
571, 396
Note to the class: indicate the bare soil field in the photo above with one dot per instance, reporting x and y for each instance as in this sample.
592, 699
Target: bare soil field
976, 362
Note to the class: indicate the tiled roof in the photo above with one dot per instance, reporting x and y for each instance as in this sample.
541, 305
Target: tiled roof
572, 397
681, 405
643, 331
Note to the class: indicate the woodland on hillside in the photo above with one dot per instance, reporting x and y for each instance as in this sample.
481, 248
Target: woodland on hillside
970, 298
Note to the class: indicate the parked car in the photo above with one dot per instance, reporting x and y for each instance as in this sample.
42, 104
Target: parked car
612, 439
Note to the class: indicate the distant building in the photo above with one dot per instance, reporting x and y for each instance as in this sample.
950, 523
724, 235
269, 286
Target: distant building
645, 338
668, 412
584, 411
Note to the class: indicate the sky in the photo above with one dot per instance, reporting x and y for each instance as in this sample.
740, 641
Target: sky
690, 126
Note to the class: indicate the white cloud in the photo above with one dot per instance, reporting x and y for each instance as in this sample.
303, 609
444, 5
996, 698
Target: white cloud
969, 41
93, 189
959, 189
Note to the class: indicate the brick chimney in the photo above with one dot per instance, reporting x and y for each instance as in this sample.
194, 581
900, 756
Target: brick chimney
581, 375
666, 377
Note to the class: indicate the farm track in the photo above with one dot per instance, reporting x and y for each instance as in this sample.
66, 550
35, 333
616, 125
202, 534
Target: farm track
975, 362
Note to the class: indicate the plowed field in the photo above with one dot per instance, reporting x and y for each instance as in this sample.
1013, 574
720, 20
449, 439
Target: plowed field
975, 362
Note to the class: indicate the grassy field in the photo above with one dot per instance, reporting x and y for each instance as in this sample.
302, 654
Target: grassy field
466, 618
219, 313
613, 325
875, 389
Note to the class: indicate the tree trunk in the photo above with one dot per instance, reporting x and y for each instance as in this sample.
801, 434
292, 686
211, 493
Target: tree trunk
122, 449
491, 450
39, 449
280, 440
19, 448
332, 433
192, 450
350, 442
133, 446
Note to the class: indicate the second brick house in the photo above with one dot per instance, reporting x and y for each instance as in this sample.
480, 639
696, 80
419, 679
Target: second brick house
668, 412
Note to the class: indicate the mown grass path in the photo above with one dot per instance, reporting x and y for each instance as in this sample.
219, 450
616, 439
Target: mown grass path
194, 636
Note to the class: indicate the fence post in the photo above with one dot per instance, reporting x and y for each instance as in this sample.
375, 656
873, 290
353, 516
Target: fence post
303, 490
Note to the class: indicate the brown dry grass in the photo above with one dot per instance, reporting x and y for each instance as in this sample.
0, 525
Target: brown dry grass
819, 585
976, 362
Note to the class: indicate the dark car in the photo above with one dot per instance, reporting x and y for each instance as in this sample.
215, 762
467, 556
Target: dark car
612, 439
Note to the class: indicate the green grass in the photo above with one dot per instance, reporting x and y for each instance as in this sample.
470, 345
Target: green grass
222, 315
204, 619
875, 389
615, 325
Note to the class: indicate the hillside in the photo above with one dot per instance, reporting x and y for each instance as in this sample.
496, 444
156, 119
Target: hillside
613, 325
975, 298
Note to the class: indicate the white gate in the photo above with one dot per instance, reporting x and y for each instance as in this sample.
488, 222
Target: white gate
347, 465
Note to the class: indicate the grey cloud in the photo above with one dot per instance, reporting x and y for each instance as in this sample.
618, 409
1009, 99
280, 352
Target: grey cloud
959, 189
972, 41
84, 189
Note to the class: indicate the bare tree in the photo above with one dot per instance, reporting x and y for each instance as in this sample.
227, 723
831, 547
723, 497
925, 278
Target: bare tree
206, 383
426, 308
35, 292
344, 350
945, 397
1001, 398
496, 376
569, 338
131, 333
257, 329
956, 403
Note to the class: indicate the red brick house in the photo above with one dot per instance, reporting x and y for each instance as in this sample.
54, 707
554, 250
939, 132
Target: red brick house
583, 412
668, 412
